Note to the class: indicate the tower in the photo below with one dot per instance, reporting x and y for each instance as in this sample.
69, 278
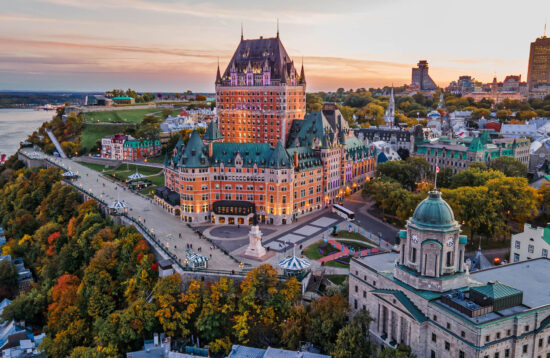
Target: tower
539, 62
389, 116
432, 252
260, 94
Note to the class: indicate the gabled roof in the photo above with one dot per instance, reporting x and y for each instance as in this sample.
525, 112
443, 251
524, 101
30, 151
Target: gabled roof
476, 145
406, 302
250, 153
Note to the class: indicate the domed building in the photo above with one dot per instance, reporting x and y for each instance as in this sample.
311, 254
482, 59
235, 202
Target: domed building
424, 296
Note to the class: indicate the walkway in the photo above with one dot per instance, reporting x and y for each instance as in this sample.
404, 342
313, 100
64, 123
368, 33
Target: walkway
169, 229
56, 144
344, 251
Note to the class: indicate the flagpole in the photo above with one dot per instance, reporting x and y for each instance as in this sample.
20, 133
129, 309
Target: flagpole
435, 182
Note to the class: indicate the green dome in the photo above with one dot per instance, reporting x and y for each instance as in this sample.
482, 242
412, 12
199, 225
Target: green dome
434, 213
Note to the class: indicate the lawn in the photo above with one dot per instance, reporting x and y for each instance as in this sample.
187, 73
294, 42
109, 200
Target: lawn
344, 234
313, 252
155, 175
98, 167
124, 116
91, 134
159, 159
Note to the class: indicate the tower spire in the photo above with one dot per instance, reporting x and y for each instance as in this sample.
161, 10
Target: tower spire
278, 28
218, 75
242, 32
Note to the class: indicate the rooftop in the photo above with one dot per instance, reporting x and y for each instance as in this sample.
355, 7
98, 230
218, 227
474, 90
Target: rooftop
530, 276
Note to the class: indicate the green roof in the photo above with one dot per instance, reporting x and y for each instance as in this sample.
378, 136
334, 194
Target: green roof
195, 153
406, 302
496, 290
476, 145
463, 240
434, 213
123, 98
307, 158
402, 234
546, 234
212, 132
279, 158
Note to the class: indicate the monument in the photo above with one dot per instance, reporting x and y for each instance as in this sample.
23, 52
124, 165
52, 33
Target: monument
255, 248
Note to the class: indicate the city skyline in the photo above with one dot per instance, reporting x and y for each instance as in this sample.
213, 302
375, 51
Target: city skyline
175, 45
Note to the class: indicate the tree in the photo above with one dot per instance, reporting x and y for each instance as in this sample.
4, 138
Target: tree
509, 166
474, 176
313, 102
328, 315
504, 114
8, 279
444, 177
218, 308
350, 343
518, 201
544, 197
166, 112
295, 328
200, 97
481, 112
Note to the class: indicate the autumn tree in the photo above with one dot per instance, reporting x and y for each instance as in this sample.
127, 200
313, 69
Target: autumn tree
511, 167
328, 315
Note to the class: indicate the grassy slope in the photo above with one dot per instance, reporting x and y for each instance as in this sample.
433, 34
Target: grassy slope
91, 134
124, 116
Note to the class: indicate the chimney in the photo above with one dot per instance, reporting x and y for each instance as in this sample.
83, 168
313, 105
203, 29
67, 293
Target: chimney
210, 149
296, 159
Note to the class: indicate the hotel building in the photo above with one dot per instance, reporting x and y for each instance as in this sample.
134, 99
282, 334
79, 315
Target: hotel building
228, 182
260, 93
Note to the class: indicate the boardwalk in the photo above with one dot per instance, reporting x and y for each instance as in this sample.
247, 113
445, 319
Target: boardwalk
169, 229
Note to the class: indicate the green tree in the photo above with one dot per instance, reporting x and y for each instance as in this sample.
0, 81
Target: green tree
328, 315
511, 167
444, 177
518, 201
8, 279
474, 176
350, 343
313, 102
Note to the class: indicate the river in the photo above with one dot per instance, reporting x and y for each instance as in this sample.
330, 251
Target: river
17, 124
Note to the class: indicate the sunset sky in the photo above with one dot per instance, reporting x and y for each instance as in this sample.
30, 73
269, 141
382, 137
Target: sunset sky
174, 45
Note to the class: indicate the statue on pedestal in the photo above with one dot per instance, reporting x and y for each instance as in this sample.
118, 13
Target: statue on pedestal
255, 248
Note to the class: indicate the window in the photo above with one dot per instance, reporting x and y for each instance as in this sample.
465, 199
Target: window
432, 354
447, 346
356, 288
460, 354
496, 355
462, 334
487, 338
498, 335
448, 325
435, 317
364, 294
540, 342
434, 337
508, 332
355, 304
544, 253
531, 249
507, 353
526, 328
518, 245
525, 348
516, 257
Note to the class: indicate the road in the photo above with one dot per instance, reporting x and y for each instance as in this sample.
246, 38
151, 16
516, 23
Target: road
166, 227
368, 222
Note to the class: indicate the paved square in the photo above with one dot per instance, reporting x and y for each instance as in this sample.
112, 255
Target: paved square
307, 230
323, 222
291, 238
276, 246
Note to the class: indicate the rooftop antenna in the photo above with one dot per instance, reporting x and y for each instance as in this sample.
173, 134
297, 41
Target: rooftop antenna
278, 27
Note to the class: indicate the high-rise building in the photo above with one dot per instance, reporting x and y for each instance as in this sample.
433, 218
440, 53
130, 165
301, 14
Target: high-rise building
421, 79
539, 63
260, 93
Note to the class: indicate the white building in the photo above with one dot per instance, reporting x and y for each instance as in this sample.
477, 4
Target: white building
426, 297
519, 130
532, 243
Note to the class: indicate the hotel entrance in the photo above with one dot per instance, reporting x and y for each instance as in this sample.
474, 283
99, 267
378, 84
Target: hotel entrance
232, 212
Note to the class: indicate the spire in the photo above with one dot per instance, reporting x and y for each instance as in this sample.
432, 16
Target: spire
242, 32
302, 73
218, 75
278, 28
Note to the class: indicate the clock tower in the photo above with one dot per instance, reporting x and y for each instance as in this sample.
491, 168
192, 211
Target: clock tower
432, 249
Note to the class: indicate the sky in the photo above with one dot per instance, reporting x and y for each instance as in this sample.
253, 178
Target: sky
174, 45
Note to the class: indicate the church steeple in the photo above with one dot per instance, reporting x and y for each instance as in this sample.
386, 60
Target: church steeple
389, 116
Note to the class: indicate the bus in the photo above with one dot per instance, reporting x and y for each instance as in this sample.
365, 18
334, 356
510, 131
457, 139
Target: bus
343, 212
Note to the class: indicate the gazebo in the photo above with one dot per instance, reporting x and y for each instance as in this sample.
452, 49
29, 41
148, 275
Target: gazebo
136, 175
195, 261
118, 205
69, 174
295, 266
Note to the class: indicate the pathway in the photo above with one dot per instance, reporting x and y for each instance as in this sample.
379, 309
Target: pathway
56, 143
344, 251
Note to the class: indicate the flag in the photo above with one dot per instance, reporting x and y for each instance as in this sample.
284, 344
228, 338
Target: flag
437, 169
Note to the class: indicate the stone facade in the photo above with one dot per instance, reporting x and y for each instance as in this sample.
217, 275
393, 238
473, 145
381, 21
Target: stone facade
533, 242
425, 297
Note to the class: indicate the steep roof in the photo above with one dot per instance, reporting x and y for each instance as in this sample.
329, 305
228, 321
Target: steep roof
212, 132
258, 52
476, 145
279, 158
251, 153
195, 153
